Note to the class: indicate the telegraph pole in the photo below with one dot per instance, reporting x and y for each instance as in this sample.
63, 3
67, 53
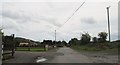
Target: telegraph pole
55, 36
108, 23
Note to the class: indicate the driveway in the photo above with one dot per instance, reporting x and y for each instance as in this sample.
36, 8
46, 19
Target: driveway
30, 57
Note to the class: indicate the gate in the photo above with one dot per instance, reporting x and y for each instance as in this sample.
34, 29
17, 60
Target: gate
8, 46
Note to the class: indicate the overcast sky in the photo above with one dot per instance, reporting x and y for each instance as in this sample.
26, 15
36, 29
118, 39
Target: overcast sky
38, 20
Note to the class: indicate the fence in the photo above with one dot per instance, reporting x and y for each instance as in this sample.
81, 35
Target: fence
31, 48
0, 47
8, 46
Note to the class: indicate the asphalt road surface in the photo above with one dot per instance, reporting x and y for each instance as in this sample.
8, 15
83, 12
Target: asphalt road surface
69, 56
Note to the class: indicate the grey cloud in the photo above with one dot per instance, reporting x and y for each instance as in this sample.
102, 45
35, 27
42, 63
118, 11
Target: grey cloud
56, 23
9, 20
9, 14
50, 20
88, 20
19, 16
10, 25
115, 36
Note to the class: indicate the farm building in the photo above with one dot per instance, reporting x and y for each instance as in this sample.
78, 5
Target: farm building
23, 44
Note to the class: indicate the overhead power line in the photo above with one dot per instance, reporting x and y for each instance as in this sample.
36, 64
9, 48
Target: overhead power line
70, 17
72, 14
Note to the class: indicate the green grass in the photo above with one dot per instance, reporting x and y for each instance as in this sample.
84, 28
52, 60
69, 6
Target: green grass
112, 51
94, 51
31, 49
92, 48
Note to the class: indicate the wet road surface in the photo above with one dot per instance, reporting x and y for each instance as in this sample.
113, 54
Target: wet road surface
67, 55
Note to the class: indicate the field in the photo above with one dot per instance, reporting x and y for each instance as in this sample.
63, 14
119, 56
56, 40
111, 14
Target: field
87, 48
31, 49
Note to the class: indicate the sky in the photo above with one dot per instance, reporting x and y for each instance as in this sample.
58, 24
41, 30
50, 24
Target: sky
38, 19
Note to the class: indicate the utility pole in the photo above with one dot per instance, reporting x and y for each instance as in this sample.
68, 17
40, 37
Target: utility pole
108, 23
55, 36
13, 44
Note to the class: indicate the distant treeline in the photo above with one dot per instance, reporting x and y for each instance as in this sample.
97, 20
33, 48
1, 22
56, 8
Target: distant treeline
99, 43
45, 42
84, 39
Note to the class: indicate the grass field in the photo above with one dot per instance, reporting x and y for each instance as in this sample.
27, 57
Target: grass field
31, 49
94, 49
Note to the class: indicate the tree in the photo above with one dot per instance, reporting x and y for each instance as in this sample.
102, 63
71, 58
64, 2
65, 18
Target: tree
103, 36
59, 44
64, 43
94, 39
48, 42
85, 38
74, 41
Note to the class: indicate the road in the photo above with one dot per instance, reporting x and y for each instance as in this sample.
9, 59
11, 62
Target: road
69, 56
62, 55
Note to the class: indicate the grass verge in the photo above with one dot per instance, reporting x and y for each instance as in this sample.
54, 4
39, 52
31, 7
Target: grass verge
94, 49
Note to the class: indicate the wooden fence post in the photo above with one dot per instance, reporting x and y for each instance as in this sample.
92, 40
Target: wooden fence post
1, 47
13, 49
29, 46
